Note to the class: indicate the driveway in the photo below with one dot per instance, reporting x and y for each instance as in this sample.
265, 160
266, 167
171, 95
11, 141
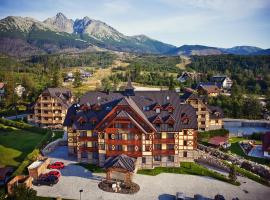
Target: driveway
161, 187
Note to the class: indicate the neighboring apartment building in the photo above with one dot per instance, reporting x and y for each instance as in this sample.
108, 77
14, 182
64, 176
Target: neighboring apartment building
223, 82
151, 126
209, 117
51, 107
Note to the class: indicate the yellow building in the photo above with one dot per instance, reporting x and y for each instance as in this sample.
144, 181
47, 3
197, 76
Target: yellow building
209, 117
50, 108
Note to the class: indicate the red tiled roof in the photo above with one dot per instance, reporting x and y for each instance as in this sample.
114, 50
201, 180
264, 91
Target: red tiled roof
266, 142
218, 140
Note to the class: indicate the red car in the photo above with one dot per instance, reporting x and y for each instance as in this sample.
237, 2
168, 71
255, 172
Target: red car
52, 173
56, 165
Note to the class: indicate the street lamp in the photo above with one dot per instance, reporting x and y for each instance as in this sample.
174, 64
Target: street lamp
81, 193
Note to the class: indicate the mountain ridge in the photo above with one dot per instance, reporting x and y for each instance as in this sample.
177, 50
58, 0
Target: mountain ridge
61, 34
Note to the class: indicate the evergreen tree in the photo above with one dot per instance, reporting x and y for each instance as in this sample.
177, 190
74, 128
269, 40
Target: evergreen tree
232, 174
77, 79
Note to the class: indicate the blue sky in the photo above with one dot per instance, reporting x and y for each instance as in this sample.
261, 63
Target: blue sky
222, 23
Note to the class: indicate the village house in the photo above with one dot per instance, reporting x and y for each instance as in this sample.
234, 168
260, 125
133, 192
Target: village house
2, 90
208, 89
208, 117
151, 126
50, 108
266, 145
223, 82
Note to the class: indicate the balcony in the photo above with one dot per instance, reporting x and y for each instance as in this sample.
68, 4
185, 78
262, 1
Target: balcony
89, 149
121, 130
86, 139
124, 142
128, 153
164, 140
163, 152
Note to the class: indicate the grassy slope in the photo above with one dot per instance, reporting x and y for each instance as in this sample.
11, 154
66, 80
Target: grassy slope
15, 145
187, 168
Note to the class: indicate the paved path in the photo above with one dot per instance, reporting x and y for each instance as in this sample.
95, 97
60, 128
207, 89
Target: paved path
161, 187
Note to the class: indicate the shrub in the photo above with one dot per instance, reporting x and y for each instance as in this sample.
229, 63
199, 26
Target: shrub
212, 133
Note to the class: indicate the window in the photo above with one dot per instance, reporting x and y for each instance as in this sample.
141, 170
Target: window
170, 135
95, 155
203, 109
147, 137
157, 158
202, 122
185, 132
157, 110
147, 147
118, 125
83, 133
118, 147
84, 155
170, 147
130, 136
157, 146
203, 116
170, 159
130, 125
131, 148
216, 121
158, 136
185, 143
143, 160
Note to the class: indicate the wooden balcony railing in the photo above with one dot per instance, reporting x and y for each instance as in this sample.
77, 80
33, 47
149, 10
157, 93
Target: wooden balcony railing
163, 152
121, 130
128, 153
86, 139
164, 140
89, 149
124, 142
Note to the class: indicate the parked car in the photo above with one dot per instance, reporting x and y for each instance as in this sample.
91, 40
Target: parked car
180, 196
46, 180
52, 173
56, 165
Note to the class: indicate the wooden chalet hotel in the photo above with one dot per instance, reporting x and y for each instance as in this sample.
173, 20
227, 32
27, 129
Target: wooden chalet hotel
151, 126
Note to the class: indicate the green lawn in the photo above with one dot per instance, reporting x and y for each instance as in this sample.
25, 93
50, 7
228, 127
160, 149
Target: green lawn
16, 144
236, 149
187, 168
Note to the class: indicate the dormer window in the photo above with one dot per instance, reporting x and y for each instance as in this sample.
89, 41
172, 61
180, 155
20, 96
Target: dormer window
157, 108
146, 108
184, 118
93, 120
81, 120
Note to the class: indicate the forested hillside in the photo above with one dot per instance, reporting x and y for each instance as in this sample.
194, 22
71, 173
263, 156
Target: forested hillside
250, 73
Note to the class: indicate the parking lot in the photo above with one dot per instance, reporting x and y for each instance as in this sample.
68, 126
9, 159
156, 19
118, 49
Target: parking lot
161, 187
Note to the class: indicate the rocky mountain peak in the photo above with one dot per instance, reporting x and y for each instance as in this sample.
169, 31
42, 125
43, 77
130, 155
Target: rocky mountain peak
61, 22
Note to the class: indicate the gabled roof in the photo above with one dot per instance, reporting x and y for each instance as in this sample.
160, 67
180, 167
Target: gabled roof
122, 161
137, 103
215, 112
209, 88
63, 95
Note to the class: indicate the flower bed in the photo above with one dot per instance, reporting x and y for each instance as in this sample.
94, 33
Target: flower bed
125, 188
